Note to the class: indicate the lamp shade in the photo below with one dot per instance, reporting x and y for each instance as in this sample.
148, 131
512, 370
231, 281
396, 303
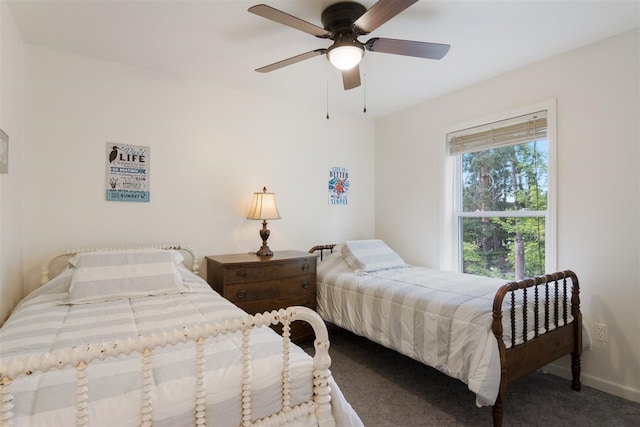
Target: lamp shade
263, 206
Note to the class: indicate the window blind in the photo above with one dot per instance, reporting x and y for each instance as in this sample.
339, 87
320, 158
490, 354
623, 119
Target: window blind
516, 130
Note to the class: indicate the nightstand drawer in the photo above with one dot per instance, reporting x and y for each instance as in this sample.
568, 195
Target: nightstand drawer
254, 291
259, 272
306, 300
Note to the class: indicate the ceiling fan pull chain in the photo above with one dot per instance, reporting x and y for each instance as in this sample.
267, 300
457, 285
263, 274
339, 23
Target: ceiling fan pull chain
364, 89
327, 99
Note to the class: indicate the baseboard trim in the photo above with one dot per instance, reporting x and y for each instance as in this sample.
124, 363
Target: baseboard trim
597, 383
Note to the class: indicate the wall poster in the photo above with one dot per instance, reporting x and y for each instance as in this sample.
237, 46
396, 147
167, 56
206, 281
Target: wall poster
127, 173
338, 186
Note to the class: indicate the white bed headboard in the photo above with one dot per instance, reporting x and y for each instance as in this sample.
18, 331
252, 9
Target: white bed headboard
49, 264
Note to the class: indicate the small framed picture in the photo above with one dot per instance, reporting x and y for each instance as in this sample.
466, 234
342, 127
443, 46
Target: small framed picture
338, 186
4, 152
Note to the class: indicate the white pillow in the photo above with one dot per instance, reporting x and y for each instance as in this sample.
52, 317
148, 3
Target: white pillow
370, 255
110, 275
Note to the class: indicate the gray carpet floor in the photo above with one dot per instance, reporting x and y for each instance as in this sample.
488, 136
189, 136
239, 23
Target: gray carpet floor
388, 389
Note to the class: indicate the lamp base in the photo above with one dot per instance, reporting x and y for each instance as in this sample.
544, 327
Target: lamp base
264, 235
264, 251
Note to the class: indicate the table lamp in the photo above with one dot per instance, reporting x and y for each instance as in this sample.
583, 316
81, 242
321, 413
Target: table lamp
263, 207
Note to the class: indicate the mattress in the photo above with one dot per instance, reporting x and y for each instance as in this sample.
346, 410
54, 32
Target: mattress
45, 321
440, 318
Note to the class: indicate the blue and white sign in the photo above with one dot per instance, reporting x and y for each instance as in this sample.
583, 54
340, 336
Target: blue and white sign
338, 186
127, 173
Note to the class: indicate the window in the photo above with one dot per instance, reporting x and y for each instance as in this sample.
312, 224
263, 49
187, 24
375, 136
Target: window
500, 198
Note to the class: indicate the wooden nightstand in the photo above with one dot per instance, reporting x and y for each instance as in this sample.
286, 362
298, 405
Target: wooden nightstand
258, 284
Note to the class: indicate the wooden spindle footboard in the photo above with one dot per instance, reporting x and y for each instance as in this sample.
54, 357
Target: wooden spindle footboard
81, 357
556, 329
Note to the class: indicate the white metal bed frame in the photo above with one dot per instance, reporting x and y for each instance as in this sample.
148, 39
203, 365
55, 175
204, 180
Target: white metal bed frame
81, 357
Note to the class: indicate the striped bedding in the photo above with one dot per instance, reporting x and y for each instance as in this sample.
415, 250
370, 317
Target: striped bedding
44, 322
440, 318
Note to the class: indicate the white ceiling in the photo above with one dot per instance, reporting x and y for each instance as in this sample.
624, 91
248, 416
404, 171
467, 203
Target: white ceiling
222, 43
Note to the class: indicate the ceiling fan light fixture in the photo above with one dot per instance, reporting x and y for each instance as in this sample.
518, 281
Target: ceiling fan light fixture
343, 22
345, 56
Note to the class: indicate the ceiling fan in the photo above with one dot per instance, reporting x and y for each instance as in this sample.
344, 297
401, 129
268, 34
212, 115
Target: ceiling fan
343, 23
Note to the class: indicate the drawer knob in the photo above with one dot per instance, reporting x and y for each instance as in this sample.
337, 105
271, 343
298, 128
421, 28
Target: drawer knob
305, 267
306, 284
241, 274
241, 294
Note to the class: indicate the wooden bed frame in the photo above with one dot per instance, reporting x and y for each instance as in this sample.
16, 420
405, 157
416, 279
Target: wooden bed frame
81, 357
533, 353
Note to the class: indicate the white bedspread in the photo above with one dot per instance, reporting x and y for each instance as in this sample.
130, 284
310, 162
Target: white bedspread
43, 322
440, 318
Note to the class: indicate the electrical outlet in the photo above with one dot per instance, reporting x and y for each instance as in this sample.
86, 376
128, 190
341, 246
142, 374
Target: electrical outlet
600, 332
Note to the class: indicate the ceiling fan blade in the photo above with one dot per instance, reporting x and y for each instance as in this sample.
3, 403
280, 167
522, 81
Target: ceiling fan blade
288, 20
351, 78
290, 61
408, 48
380, 13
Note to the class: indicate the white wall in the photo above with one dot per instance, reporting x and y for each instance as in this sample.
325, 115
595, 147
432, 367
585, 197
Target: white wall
597, 91
11, 122
211, 148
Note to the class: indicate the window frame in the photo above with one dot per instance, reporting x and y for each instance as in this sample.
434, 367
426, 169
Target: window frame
451, 194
